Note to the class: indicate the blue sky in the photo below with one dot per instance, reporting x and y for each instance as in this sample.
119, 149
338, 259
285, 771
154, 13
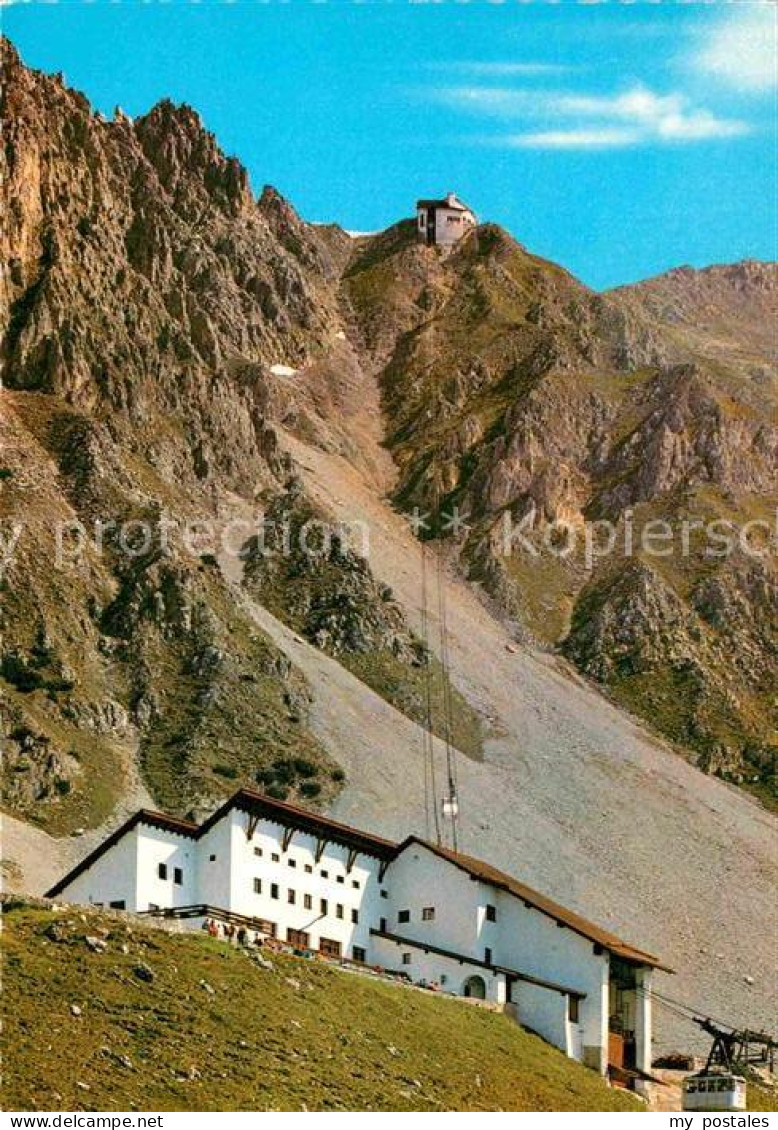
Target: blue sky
617, 139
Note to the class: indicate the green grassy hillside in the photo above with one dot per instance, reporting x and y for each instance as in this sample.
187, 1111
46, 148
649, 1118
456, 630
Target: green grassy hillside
137, 1018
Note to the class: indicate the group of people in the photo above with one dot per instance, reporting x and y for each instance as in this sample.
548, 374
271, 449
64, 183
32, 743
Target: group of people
237, 935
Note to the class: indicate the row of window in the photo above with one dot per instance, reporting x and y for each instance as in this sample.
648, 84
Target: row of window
292, 862
407, 958
299, 938
428, 914
291, 898
403, 916
178, 874
713, 1086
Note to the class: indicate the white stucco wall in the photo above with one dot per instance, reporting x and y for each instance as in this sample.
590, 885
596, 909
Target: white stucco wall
451, 225
418, 878
448, 973
520, 938
297, 870
214, 865
533, 943
113, 877
546, 1013
175, 852
643, 1026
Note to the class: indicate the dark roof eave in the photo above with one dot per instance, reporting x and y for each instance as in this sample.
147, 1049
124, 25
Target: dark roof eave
453, 955
247, 800
143, 816
579, 925
456, 206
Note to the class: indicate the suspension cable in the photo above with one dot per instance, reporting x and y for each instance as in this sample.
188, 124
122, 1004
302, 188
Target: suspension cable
680, 1008
428, 741
446, 698
446, 703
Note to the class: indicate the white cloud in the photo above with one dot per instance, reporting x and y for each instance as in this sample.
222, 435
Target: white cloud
586, 121
667, 117
699, 125
605, 137
638, 104
741, 50
500, 101
499, 69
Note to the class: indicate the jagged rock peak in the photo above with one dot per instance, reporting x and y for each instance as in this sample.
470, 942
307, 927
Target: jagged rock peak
273, 204
9, 56
180, 148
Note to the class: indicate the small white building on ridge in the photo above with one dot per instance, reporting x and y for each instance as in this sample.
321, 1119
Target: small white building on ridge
445, 221
414, 907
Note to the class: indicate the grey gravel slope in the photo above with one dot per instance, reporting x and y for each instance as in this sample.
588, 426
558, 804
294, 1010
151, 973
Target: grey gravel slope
573, 796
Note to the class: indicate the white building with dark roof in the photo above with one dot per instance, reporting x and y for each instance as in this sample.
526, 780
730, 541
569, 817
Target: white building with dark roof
445, 221
439, 916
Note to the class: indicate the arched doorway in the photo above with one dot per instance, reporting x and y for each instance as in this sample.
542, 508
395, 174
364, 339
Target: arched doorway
475, 987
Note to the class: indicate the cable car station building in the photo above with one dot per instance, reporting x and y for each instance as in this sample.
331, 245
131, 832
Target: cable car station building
414, 907
443, 222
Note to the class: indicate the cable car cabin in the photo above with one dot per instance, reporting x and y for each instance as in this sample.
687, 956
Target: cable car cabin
714, 1092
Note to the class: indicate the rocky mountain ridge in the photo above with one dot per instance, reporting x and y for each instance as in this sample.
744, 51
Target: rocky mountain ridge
521, 401
164, 329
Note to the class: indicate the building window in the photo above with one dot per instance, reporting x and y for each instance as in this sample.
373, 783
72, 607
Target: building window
355, 916
382, 925
573, 1009
422, 220
308, 902
274, 890
291, 897
257, 886
257, 851
117, 904
308, 869
153, 906
324, 874
491, 913
211, 858
340, 879
407, 959
298, 938
404, 916
428, 914
443, 978
355, 884
359, 954
275, 857
384, 894
323, 906
178, 876
488, 956
329, 947
292, 862
339, 910
162, 870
